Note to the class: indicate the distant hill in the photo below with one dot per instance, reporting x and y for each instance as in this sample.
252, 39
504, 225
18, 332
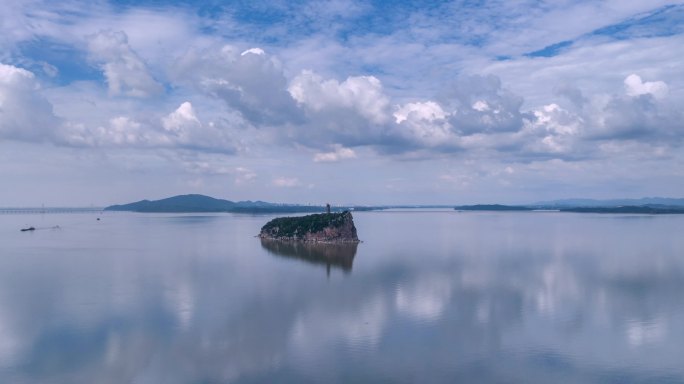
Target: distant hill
650, 205
641, 209
645, 201
201, 203
491, 207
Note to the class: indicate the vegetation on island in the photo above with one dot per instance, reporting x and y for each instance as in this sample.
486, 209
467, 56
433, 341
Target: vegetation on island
333, 227
294, 226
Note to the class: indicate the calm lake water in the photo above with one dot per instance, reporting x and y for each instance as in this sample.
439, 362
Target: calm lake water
428, 297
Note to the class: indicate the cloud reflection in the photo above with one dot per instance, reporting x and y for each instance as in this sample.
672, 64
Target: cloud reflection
182, 305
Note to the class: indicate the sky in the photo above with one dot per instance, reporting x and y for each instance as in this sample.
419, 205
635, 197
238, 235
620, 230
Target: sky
340, 101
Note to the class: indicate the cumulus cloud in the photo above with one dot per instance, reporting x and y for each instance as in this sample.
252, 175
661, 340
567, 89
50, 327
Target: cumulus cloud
360, 94
573, 94
338, 153
354, 112
333, 117
641, 117
641, 111
636, 115
480, 104
250, 82
428, 111
477, 113
181, 129
124, 130
24, 113
118, 131
181, 121
552, 131
125, 71
425, 123
184, 129
634, 86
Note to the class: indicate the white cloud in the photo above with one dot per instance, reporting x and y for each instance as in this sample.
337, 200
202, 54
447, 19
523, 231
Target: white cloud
553, 130
182, 128
123, 130
250, 82
634, 86
339, 153
181, 120
428, 111
179, 130
482, 104
352, 113
286, 182
124, 70
583, 67
424, 123
254, 51
24, 113
360, 94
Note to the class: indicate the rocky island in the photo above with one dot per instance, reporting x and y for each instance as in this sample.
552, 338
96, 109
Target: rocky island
317, 228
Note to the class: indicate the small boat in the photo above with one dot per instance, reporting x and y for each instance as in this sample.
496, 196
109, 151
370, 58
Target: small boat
28, 229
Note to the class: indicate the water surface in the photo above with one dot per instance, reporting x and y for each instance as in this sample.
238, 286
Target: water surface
436, 297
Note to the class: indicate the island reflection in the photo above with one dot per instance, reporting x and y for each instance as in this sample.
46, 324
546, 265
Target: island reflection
332, 255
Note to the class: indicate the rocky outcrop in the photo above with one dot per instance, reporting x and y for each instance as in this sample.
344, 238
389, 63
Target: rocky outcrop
319, 228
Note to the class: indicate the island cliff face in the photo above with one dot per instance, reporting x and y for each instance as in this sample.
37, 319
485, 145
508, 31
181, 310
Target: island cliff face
319, 228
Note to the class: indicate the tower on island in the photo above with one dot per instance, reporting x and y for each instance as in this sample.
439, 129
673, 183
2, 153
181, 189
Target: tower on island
327, 208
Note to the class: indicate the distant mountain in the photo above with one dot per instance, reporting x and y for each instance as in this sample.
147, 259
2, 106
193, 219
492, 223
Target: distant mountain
641, 209
491, 207
649, 205
201, 203
182, 203
661, 202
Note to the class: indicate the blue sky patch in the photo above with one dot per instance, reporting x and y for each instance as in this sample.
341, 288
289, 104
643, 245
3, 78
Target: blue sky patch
551, 50
70, 62
666, 21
